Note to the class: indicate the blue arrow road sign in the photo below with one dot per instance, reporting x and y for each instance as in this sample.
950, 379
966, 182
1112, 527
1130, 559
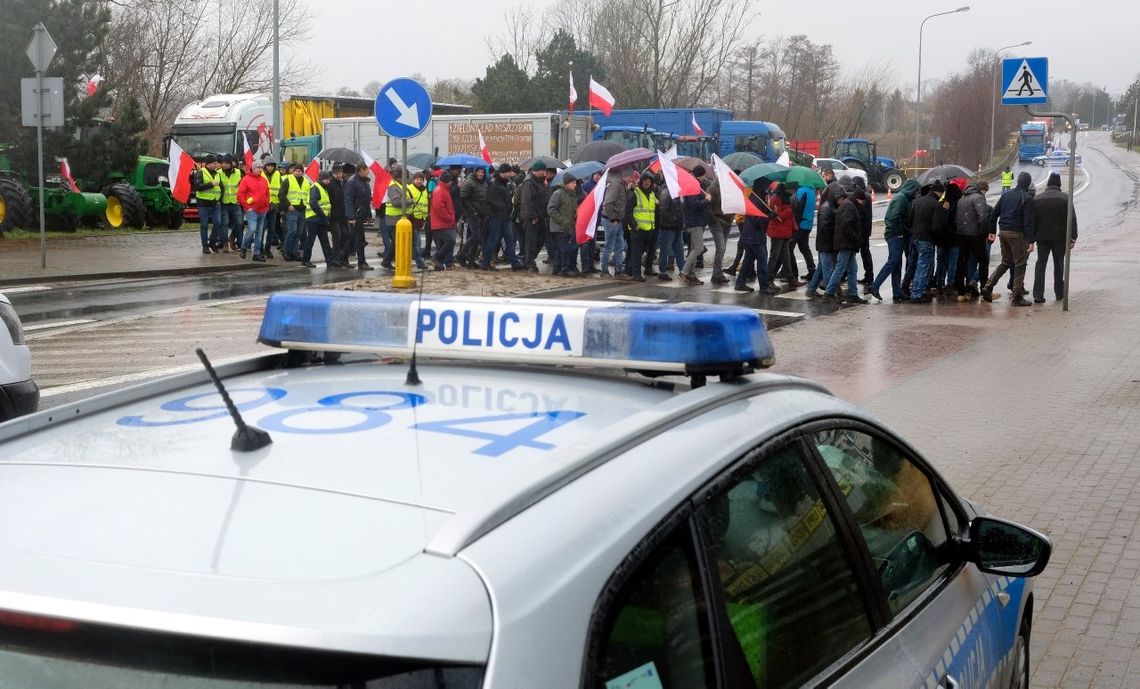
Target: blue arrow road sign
1025, 80
403, 108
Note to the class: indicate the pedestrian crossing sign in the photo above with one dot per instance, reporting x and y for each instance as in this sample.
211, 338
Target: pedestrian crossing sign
1025, 80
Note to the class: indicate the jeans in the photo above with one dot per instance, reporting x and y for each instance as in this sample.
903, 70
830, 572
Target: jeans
893, 266
923, 267
910, 250
780, 255
720, 238
696, 248
947, 266
1014, 256
254, 226
206, 214
317, 231
825, 267
640, 241
500, 230
802, 241
444, 246
219, 236
671, 246
294, 226
1044, 251
388, 236
753, 263
614, 247
564, 259
844, 266
232, 218
973, 251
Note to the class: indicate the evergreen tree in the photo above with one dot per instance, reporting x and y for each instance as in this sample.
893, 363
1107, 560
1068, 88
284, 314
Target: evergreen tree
504, 88
550, 84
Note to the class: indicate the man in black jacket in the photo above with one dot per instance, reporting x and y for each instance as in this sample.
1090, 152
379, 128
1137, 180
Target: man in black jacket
1050, 211
338, 229
533, 197
930, 213
357, 211
1015, 215
848, 238
499, 229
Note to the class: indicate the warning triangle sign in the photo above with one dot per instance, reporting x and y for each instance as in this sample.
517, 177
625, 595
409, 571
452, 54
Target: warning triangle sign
1024, 84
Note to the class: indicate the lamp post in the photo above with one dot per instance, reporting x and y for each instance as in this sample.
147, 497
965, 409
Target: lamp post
918, 97
993, 105
278, 121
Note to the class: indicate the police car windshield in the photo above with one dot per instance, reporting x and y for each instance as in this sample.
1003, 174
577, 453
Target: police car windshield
61, 655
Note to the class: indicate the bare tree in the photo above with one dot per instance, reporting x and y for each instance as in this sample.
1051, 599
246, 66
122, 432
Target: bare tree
525, 28
371, 89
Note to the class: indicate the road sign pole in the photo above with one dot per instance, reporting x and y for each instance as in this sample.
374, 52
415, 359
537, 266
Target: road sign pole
404, 234
1069, 216
40, 161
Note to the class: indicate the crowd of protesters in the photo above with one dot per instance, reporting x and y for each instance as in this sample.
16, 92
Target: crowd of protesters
938, 236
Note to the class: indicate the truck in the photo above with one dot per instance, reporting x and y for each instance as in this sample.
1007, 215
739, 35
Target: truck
674, 121
511, 138
1031, 140
765, 139
719, 132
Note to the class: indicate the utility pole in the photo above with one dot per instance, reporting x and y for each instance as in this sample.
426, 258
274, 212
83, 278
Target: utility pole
918, 96
1135, 112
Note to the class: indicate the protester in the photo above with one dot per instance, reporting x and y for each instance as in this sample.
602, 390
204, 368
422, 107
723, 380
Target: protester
670, 226
499, 230
1006, 179
208, 190
444, 226
803, 206
318, 217
562, 210
532, 213
970, 219
396, 202
753, 229
1015, 216
272, 218
863, 203
420, 203
695, 209
929, 212
946, 239
1050, 213
358, 211
230, 210
641, 212
896, 226
475, 211
612, 214
253, 196
719, 224
338, 223
294, 196
825, 239
848, 237
781, 231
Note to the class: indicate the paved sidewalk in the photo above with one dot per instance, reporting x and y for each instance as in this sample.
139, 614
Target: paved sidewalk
141, 254
1036, 414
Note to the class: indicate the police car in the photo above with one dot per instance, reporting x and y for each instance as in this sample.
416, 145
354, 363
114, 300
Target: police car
19, 393
549, 494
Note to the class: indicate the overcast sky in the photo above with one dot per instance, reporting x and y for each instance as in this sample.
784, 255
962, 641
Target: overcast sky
356, 41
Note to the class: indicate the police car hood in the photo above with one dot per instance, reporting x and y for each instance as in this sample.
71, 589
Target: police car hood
145, 513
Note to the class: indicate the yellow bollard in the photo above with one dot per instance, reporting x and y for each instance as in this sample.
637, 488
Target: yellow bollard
403, 276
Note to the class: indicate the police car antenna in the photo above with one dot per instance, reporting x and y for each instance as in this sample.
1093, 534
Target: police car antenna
413, 375
246, 438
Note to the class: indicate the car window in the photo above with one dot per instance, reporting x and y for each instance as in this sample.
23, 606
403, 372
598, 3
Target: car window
895, 507
657, 630
790, 592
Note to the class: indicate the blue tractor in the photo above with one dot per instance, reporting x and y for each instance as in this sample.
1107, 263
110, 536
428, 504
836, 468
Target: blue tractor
882, 173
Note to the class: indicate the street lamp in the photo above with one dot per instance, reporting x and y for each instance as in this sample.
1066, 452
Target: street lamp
993, 106
278, 121
918, 98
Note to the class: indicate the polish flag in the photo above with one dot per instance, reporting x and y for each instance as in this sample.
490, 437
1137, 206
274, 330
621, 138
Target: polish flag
181, 165
248, 154
483, 150
671, 154
313, 170
734, 194
680, 181
381, 178
65, 173
589, 209
573, 93
697, 127
93, 85
601, 98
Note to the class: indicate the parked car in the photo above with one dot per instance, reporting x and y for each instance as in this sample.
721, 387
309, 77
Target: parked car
839, 167
19, 394
1057, 156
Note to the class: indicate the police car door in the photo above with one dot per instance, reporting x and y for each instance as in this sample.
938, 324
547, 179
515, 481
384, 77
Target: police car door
946, 615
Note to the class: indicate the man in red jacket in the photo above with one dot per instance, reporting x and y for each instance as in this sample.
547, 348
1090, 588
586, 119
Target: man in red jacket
253, 195
443, 224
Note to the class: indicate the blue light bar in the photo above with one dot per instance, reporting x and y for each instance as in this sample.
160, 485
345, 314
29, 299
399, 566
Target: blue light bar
687, 338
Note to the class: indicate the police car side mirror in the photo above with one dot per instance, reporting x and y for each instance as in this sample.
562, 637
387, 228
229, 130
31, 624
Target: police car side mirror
1001, 547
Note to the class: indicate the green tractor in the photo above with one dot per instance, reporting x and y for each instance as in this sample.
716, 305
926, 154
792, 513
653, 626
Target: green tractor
143, 197
64, 209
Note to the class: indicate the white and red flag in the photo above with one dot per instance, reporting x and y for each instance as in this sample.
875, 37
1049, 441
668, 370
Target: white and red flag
734, 195
247, 154
601, 98
65, 173
484, 152
381, 178
181, 165
697, 127
680, 181
589, 209
573, 92
93, 84
313, 171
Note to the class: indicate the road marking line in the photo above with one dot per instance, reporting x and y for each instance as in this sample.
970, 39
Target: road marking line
57, 324
780, 314
29, 288
138, 376
796, 296
640, 300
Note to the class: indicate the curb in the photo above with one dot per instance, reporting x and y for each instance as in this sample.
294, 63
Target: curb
169, 272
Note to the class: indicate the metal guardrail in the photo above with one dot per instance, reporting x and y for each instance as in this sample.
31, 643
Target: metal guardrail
992, 171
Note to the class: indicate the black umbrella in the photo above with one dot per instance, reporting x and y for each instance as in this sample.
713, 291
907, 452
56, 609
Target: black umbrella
421, 160
599, 151
944, 173
550, 163
341, 155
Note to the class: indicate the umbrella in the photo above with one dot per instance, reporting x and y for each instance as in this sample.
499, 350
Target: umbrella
601, 151
689, 163
944, 172
630, 158
461, 160
742, 160
341, 155
421, 160
772, 171
579, 170
550, 163
805, 177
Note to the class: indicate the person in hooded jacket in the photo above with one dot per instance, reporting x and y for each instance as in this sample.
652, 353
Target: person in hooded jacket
1015, 215
753, 230
897, 225
825, 239
929, 212
863, 202
444, 224
781, 231
696, 214
670, 225
499, 230
562, 210
848, 237
1051, 210
946, 239
970, 219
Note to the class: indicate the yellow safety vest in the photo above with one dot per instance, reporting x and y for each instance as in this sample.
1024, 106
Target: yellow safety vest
644, 210
213, 193
229, 185
298, 194
391, 210
274, 185
324, 203
419, 202
1007, 179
